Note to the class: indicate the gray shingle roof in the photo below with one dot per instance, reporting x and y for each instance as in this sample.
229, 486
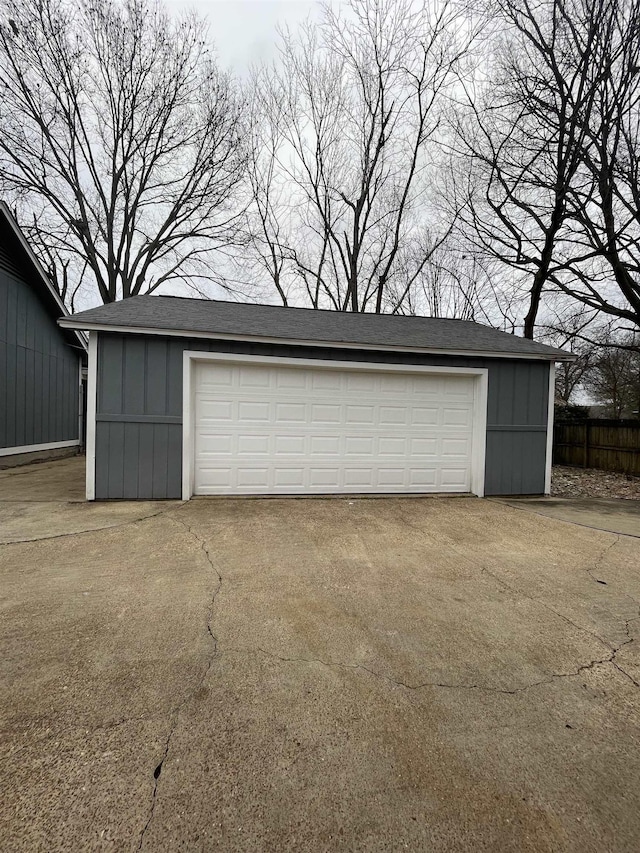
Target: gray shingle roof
216, 318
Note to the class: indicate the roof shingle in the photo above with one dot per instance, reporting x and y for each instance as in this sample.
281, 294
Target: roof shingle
214, 318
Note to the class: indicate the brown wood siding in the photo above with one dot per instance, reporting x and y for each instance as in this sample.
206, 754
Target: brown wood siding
608, 445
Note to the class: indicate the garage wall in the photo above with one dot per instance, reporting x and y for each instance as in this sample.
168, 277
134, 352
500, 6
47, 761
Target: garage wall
139, 412
39, 378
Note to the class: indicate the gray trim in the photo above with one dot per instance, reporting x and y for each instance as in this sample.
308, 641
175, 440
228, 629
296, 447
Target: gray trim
516, 428
139, 419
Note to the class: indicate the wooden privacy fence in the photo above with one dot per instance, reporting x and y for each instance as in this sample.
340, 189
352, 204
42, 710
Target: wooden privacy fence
595, 443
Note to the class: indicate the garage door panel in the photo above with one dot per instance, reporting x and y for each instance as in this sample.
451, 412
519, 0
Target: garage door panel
253, 477
254, 411
216, 444
453, 477
290, 380
394, 478
326, 380
325, 445
294, 430
367, 382
359, 445
360, 415
460, 416
392, 446
290, 413
324, 478
460, 447
423, 446
360, 478
326, 414
395, 383
254, 377
423, 416
393, 416
253, 445
300, 480
288, 478
462, 389
216, 477
289, 444
221, 378
215, 409
423, 478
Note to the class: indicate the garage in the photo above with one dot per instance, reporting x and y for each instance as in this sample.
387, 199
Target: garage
265, 428
195, 397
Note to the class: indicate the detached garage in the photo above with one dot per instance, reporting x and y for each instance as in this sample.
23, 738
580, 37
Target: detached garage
198, 397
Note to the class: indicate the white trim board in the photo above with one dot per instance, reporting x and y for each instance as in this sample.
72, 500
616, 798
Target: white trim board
70, 323
550, 415
190, 357
92, 387
80, 404
34, 448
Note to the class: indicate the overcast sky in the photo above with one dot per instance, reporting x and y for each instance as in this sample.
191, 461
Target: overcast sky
245, 30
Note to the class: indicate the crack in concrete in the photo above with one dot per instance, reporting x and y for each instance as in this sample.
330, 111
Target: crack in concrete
631, 639
131, 521
600, 558
442, 684
156, 776
545, 605
484, 570
607, 659
625, 673
175, 715
59, 720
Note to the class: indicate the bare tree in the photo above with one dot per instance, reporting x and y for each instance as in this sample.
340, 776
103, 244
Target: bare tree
348, 127
523, 132
614, 376
120, 141
604, 205
574, 331
266, 221
451, 283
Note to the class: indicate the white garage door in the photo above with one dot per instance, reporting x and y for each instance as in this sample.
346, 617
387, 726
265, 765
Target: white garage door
263, 429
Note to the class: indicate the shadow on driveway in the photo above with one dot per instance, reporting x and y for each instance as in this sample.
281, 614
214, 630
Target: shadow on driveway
614, 515
47, 499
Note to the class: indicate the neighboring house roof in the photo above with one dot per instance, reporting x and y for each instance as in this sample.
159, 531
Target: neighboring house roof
173, 315
49, 296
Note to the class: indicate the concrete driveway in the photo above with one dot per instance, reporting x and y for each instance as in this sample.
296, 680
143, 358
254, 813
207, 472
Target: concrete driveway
311, 675
613, 514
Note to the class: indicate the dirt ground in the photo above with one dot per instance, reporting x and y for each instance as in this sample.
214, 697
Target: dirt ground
569, 482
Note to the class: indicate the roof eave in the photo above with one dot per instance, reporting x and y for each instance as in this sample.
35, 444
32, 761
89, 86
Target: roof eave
72, 323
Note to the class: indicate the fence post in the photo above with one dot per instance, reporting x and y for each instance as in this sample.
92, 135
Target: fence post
587, 436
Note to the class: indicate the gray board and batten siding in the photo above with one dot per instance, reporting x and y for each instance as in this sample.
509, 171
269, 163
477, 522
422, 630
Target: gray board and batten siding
39, 362
139, 410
